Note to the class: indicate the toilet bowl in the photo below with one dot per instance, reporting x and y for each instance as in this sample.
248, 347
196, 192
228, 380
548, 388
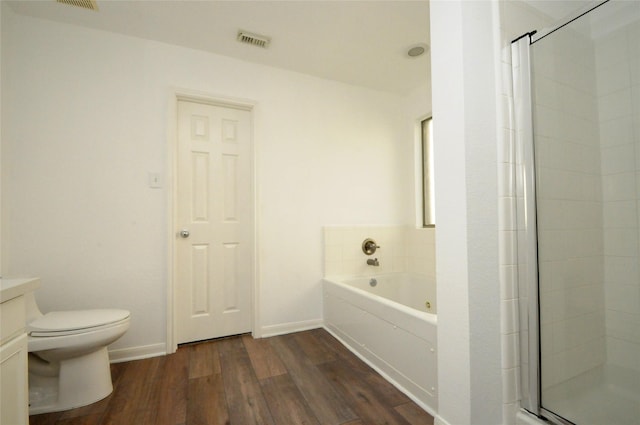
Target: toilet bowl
68, 358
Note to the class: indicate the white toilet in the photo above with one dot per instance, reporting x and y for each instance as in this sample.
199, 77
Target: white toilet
68, 359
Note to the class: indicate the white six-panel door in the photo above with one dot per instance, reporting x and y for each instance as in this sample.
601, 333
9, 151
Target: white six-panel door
214, 246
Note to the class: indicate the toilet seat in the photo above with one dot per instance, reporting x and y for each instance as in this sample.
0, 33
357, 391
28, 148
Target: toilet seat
60, 323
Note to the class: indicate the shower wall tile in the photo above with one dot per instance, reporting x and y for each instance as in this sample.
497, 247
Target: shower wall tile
333, 268
636, 112
547, 121
548, 274
615, 105
509, 316
547, 92
576, 102
621, 242
505, 180
578, 76
611, 50
508, 281
577, 331
510, 386
613, 78
617, 131
618, 159
421, 255
576, 360
506, 213
620, 214
570, 204
546, 340
621, 270
619, 187
550, 153
333, 253
507, 247
547, 64
510, 347
617, 60
633, 40
554, 214
623, 353
623, 298
509, 412
622, 325
505, 150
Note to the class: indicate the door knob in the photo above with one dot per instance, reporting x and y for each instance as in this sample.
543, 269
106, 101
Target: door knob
184, 233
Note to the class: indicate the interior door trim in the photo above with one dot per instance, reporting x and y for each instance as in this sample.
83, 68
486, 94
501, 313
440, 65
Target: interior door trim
176, 95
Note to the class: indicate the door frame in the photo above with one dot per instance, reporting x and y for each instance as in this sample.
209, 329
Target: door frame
176, 96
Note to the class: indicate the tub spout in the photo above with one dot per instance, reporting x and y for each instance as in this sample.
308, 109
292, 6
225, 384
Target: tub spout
373, 262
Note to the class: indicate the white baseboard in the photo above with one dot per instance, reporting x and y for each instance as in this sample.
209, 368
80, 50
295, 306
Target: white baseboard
137, 353
160, 349
287, 328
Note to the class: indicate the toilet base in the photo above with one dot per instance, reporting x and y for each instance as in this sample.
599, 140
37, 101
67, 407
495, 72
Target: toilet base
79, 381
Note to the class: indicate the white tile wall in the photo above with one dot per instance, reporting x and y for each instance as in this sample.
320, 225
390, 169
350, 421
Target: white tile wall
515, 20
570, 215
616, 58
402, 249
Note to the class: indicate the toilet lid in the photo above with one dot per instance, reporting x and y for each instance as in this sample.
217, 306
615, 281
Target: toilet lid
65, 322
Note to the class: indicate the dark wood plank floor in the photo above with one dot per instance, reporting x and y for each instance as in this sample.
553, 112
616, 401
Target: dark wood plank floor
302, 378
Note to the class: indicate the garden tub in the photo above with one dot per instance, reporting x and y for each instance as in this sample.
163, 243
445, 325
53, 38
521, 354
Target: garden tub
390, 322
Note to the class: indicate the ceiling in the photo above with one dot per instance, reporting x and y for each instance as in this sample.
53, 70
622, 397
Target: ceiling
357, 42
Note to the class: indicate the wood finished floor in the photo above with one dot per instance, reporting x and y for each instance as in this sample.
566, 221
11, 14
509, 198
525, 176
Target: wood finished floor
302, 378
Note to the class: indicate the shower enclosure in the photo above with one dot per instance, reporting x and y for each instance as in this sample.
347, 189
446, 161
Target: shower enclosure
577, 120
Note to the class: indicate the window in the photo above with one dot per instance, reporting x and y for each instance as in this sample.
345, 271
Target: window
428, 203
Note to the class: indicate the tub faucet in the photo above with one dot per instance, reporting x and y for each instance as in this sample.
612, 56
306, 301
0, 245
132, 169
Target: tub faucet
373, 262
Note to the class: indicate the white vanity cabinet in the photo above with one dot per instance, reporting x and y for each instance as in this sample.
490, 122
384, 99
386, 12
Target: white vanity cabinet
14, 391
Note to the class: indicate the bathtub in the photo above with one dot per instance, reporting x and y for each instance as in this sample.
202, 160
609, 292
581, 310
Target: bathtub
390, 323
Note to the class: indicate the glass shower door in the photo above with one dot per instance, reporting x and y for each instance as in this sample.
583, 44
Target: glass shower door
585, 87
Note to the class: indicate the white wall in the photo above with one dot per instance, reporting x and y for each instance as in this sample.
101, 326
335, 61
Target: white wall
464, 109
89, 113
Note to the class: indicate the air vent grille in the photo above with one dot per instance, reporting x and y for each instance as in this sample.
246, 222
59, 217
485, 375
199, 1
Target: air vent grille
85, 4
254, 39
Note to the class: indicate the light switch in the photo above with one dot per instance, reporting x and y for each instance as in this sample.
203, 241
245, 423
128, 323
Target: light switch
155, 182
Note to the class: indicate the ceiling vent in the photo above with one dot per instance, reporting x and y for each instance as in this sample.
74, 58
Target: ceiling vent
253, 39
85, 4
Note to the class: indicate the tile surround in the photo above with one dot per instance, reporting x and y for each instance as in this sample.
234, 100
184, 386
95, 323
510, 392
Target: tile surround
402, 249
619, 122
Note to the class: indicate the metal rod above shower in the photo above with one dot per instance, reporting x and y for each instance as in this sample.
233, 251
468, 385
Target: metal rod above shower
539, 35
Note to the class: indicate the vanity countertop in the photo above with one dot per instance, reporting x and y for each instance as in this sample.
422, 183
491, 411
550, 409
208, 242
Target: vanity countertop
11, 288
